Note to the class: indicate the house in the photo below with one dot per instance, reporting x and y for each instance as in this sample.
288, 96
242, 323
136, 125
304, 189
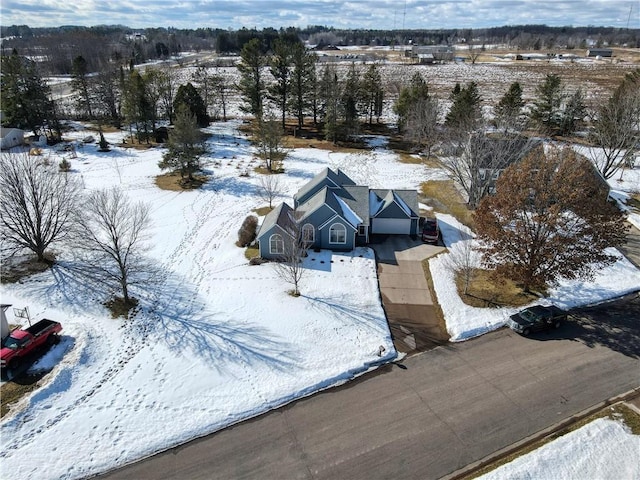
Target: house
332, 212
427, 54
600, 52
10, 137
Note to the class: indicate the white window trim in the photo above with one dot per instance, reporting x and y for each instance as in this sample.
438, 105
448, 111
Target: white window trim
307, 227
274, 238
344, 232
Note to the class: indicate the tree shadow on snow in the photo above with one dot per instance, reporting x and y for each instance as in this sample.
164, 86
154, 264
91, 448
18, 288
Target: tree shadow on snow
177, 316
348, 313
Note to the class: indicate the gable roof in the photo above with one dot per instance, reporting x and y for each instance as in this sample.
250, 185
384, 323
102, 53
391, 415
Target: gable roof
381, 199
280, 216
333, 199
326, 178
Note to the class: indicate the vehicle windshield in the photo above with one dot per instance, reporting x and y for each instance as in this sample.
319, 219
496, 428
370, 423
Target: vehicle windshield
430, 226
11, 343
528, 315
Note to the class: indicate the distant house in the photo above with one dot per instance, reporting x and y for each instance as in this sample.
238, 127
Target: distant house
332, 212
600, 52
10, 137
426, 54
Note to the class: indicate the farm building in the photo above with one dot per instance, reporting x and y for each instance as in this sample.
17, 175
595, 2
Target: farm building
600, 52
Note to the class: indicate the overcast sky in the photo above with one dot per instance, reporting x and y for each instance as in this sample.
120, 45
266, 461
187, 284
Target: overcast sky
374, 14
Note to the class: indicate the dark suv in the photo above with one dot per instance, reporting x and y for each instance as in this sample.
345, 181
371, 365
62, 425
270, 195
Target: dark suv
430, 231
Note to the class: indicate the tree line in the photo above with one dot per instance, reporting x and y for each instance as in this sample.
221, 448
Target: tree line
56, 47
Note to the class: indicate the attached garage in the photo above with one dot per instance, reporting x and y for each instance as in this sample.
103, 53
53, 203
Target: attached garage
393, 226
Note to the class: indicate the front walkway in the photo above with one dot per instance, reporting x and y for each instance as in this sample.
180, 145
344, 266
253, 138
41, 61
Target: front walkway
413, 320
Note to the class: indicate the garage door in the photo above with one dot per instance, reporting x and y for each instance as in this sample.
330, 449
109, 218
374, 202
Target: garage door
391, 225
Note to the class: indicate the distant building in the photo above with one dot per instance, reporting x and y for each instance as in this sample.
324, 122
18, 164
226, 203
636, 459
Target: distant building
426, 54
600, 52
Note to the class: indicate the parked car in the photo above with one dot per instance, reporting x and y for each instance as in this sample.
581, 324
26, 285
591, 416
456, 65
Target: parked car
21, 343
537, 318
430, 230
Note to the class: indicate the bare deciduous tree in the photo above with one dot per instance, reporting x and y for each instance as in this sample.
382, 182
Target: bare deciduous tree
549, 219
421, 125
464, 259
269, 188
36, 203
111, 238
615, 125
482, 159
295, 248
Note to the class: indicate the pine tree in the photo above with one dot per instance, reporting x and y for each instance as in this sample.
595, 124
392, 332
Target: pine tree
187, 96
372, 93
545, 112
302, 82
410, 95
185, 145
330, 92
465, 113
509, 108
251, 85
351, 101
280, 66
26, 102
80, 84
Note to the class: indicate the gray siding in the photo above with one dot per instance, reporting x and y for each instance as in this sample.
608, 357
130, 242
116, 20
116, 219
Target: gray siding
393, 211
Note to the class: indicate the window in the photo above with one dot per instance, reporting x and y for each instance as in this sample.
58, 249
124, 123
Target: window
276, 244
308, 233
337, 233
362, 230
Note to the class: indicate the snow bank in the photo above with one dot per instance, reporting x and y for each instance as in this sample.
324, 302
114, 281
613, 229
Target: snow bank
602, 449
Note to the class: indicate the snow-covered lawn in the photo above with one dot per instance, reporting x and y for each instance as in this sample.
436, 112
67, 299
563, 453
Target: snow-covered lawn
602, 449
215, 340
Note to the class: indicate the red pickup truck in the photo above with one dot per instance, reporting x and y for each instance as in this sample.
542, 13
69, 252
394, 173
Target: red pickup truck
21, 343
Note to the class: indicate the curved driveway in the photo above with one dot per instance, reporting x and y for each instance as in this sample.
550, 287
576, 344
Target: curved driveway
442, 410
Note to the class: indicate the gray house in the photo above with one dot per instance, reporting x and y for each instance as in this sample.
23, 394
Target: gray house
10, 137
332, 212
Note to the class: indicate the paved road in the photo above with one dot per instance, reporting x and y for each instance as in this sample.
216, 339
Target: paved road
445, 409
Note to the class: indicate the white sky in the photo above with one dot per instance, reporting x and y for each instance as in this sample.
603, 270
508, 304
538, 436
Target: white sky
373, 14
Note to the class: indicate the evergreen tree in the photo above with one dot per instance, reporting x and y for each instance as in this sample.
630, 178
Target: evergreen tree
465, 114
189, 97
546, 110
410, 95
351, 100
573, 114
185, 145
24, 94
280, 66
302, 81
107, 93
509, 108
136, 106
251, 85
372, 93
80, 85
329, 94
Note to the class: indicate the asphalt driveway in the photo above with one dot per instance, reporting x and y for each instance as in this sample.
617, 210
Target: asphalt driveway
413, 319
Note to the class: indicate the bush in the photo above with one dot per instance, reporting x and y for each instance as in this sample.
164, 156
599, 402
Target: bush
247, 232
65, 165
104, 145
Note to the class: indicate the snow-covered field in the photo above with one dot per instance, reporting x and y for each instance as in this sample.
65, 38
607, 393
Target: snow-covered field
216, 340
602, 449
